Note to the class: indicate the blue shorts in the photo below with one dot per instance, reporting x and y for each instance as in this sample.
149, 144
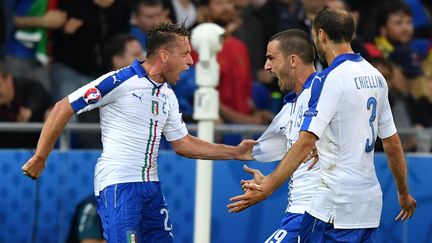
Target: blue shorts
134, 213
315, 230
289, 230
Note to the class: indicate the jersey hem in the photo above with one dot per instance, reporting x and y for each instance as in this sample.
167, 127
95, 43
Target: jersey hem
342, 226
102, 186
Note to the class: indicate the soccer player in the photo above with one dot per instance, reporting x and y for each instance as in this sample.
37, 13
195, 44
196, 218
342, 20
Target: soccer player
136, 106
290, 58
348, 108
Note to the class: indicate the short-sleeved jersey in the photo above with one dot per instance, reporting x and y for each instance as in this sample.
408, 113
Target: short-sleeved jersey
134, 111
348, 108
281, 134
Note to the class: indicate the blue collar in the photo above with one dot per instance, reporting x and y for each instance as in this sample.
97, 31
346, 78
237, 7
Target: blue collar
138, 68
308, 81
140, 71
347, 56
291, 97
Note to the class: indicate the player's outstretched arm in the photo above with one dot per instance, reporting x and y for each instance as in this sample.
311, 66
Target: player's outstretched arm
53, 127
396, 161
195, 148
260, 190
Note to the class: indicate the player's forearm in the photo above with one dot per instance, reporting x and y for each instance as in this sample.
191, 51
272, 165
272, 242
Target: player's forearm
396, 161
195, 148
53, 127
293, 159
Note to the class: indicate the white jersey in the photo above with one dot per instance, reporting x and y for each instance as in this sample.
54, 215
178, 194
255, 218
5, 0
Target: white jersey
134, 111
279, 137
349, 107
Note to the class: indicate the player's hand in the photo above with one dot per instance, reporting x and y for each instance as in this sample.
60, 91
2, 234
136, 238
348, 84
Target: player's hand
244, 150
255, 190
34, 167
254, 194
408, 205
312, 155
254, 183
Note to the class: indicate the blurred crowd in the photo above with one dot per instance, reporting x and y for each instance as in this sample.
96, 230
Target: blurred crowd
49, 48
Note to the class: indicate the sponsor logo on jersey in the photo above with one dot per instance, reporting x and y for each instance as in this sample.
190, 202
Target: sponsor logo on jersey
310, 113
155, 107
138, 96
115, 80
319, 78
92, 95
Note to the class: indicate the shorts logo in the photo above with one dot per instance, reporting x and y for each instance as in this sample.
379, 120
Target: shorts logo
132, 237
310, 113
92, 96
155, 107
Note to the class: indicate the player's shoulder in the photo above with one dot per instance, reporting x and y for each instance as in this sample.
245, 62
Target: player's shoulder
316, 84
115, 78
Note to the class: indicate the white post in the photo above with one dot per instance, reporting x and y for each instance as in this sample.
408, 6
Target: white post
206, 39
203, 188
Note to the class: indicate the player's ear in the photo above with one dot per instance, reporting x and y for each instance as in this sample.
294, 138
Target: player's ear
292, 60
163, 55
322, 36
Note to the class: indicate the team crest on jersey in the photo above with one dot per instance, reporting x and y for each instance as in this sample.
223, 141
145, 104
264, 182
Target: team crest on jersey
155, 107
92, 95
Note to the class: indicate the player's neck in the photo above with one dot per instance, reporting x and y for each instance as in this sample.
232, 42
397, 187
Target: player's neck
153, 70
335, 50
304, 73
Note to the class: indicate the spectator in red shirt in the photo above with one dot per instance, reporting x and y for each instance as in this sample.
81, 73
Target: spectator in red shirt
235, 83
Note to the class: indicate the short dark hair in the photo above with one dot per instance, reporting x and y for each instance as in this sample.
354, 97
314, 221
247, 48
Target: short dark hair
295, 41
388, 8
338, 24
149, 3
115, 46
163, 35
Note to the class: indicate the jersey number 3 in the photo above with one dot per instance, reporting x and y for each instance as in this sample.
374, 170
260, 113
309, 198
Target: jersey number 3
370, 143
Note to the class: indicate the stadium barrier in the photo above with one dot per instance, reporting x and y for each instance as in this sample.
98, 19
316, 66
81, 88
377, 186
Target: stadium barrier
422, 135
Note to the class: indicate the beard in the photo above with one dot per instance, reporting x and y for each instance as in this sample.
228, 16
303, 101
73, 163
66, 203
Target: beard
282, 85
285, 85
321, 54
